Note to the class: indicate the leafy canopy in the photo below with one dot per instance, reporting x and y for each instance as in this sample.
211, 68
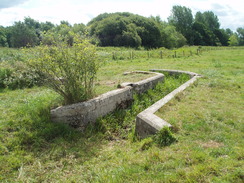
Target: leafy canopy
125, 29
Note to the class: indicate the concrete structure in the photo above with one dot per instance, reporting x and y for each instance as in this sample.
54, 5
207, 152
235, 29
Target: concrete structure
81, 114
147, 123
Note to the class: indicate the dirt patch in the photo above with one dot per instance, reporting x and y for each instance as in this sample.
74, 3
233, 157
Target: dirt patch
107, 83
211, 144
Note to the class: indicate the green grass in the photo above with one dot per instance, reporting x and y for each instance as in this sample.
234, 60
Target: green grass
107, 83
207, 119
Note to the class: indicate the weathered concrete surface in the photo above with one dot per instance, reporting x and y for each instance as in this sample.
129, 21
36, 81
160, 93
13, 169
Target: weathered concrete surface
172, 72
81, 114
147, 123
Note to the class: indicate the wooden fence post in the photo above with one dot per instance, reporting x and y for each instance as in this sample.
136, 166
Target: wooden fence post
113, 57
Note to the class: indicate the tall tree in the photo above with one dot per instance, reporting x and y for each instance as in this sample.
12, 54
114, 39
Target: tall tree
233, 40
182, 18
45, 26
170, 38
222, 36
34, 25
22, 35
212, 34
31, 23
3, 37
200, 18
229, 32
240, 33
202, 36
211, 20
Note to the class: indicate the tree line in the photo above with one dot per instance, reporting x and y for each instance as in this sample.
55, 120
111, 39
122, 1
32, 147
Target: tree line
129, 30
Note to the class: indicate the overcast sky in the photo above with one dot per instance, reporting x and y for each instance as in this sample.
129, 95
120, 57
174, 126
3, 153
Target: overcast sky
229, 12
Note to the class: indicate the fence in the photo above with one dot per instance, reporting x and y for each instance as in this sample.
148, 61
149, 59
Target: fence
159, 53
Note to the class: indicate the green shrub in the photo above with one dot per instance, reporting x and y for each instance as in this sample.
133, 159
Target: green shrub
164, 137
70, 71
4, 73
18, 76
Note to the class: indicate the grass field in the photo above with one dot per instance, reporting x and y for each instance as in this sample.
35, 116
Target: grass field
207, 119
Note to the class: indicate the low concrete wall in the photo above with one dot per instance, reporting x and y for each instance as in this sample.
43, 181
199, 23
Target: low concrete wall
175, 72
147, 123
81, 114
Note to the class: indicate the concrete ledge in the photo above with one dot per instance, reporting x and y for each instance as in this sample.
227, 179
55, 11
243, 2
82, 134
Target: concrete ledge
176, 72
147, 123
81, 114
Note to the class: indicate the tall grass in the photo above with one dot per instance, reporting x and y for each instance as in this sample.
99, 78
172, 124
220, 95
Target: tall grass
122, 121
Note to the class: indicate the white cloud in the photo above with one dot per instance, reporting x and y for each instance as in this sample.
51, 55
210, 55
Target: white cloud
82, 11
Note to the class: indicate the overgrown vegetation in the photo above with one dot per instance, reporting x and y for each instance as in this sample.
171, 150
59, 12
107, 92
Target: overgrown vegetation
70, 71
121, 122
14, 72
207, 120
164, 137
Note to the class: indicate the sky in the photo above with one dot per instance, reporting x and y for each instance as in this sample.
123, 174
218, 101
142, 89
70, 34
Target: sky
229, 12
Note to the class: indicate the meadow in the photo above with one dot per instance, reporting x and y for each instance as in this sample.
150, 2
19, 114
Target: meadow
207, 119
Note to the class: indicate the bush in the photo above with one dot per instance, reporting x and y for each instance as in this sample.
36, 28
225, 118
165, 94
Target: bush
18, 76
4, 73
70, 71
164, 137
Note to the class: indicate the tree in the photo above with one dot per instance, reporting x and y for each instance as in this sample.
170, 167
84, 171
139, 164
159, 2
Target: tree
182, 18
202, 36
170, 38
200, 18
222, 36
3, 37
240, 34
211, 20
110, 29
130, 36
46, 26
229, 32
64, 31
79, 29
207, 30
31, 23
63, 22
233, 40
23, 35
125, 29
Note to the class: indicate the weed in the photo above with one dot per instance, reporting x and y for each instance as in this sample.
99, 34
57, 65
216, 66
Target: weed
146, 144
164, 137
